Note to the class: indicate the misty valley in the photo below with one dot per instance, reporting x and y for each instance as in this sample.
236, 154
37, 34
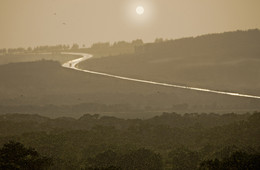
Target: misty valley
94, 115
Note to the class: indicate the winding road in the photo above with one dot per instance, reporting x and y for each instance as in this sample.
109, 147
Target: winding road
73, 65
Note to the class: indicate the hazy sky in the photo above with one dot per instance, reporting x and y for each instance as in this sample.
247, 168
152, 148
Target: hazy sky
48, 22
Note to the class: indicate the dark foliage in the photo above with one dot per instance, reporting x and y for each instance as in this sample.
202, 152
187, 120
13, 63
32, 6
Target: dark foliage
138, 159
237, 161
15, 156
171, 141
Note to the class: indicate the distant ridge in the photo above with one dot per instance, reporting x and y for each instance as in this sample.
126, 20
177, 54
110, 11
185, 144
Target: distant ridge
224, 61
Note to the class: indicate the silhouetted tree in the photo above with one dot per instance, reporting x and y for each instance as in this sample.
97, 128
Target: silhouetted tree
137, 42
184, 159
103, 161
141, 159
75, 46
158, 40
29, 49
14, 156
100, 45
239, 160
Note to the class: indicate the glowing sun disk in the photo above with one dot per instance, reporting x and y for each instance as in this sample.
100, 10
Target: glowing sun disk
140, 10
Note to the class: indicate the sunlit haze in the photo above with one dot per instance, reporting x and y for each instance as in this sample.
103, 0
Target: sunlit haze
49, 22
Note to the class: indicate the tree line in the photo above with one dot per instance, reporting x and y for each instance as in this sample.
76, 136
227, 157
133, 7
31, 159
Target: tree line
168, 141
74, 47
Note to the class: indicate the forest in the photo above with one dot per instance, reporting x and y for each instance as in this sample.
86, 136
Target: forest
168, 141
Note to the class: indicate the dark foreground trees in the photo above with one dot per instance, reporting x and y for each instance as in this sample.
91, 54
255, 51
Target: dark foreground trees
142, 159
171, 141
239, 160
15, 156
184, 159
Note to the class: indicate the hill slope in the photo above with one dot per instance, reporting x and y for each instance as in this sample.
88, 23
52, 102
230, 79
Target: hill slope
36, 87
228, 61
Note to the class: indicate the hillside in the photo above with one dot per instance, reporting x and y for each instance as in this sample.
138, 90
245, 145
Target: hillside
227, 61
29, 57
43, 78
45, 87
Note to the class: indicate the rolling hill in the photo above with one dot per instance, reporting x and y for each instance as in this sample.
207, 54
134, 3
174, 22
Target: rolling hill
44, 87
228, 61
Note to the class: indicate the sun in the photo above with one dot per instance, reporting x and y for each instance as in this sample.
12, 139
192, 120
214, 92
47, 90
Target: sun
140, 10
